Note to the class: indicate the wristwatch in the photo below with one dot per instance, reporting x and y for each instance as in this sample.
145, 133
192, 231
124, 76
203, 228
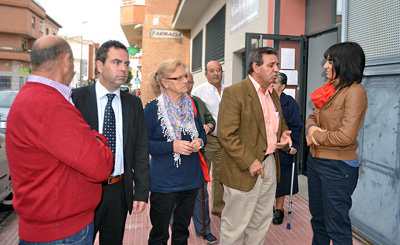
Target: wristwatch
287, 149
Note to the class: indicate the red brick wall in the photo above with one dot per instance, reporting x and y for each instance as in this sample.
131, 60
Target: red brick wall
4, 67
155, 50
16, 17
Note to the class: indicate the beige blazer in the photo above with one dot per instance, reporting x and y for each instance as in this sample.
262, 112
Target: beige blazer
242, 134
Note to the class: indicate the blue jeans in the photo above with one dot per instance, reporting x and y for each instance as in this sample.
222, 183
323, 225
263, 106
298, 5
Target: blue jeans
330, 186
83, 237
198, 212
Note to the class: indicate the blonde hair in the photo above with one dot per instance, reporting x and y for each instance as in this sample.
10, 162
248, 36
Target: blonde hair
165, 69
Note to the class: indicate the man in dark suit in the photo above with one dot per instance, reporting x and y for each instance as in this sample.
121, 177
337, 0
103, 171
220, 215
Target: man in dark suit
119, 116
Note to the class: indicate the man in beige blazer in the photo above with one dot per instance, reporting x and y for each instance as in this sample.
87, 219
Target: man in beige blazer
250, 126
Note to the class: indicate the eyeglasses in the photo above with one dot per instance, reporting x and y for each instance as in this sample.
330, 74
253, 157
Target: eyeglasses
180, 78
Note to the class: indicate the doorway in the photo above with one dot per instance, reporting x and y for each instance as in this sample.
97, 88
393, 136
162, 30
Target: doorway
307, 52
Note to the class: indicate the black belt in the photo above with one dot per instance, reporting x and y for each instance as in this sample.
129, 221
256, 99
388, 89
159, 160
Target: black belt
265, 157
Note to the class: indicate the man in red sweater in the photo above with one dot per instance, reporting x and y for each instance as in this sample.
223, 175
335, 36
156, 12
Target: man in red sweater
56, 161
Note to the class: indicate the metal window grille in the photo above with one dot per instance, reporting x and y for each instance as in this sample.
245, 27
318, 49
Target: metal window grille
197, 49
375, 25
215, 37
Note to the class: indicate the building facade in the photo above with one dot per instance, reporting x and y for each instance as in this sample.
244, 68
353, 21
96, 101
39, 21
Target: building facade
148, 26
84, 52
301, 30
21, 23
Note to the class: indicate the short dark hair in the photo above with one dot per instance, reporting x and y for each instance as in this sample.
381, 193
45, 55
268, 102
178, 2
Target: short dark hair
103, 50
41, 54
348, 62
283, 78
256, 56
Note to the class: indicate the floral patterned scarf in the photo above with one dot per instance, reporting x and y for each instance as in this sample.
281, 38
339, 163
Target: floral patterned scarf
179, 114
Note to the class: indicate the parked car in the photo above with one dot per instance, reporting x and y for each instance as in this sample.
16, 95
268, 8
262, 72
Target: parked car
124, 88
6, 99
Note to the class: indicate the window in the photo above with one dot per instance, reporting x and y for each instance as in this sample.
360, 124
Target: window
41, 27
47, 31
33, 22
215, 37
5, 82
23, 45
197, 48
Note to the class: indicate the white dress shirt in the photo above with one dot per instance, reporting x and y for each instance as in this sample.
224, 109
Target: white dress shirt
209, 94
101, 98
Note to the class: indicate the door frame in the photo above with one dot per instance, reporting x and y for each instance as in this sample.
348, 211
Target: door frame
301, 86
303, 40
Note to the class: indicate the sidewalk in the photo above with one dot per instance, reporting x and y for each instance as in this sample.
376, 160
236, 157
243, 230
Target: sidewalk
138, 227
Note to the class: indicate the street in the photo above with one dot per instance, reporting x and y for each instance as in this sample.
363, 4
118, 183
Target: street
5, 213
8, 225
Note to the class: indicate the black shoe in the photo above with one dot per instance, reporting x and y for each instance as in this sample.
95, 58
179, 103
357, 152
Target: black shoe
278, 217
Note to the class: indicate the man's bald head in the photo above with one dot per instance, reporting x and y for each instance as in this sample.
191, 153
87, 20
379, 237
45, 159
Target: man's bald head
46, 51
212, 64
214, 73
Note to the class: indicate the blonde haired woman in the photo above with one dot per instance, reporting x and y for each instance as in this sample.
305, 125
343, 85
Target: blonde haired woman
175, 137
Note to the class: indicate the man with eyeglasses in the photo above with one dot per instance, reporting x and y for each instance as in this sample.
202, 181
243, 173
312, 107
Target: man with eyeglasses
119, 116
201, 215
211, 93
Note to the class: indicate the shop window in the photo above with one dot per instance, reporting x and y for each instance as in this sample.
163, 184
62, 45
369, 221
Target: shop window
5, 82
215, 37
197, 49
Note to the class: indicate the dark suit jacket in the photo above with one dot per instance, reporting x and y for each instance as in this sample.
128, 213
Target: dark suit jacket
135, 141
242, 134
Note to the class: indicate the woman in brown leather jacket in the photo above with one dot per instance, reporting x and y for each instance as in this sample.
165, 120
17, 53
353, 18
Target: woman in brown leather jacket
332, 128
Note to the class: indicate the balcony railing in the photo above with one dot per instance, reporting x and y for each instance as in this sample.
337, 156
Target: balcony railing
13, 49
133, 2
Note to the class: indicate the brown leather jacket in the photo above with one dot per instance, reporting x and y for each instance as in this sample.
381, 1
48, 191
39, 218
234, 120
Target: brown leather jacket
342, 116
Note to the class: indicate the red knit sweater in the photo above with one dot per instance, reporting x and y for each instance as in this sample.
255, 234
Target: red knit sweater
56, 164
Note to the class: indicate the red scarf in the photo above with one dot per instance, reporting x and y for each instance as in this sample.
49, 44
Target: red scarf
321, 95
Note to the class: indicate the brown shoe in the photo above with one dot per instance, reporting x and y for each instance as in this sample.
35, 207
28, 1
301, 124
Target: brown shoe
216, 213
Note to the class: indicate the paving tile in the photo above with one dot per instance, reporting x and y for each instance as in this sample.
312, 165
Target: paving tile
138, 226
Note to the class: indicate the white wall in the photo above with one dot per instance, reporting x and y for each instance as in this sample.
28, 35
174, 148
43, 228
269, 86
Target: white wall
234, 43
76, 51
